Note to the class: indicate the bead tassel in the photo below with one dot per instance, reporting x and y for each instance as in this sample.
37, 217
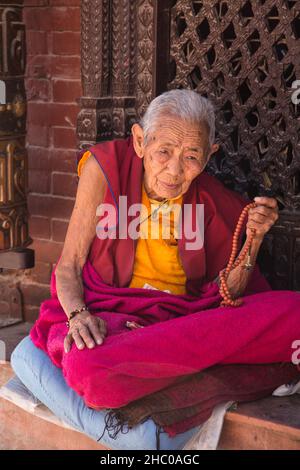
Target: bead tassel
233, 261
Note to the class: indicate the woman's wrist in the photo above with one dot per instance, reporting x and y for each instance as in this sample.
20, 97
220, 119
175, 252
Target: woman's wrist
256, 241
74, 313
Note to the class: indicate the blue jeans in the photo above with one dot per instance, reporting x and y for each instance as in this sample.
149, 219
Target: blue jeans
46, 381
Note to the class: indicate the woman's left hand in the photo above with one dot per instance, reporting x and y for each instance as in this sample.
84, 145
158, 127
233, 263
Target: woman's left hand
262, 217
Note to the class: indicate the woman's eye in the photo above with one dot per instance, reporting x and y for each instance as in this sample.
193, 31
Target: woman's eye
191, 157
163, 152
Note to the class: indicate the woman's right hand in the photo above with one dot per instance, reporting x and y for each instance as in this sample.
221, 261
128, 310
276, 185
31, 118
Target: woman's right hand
86, 330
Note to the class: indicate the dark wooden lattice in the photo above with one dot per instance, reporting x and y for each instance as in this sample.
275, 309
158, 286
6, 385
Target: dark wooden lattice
245, 56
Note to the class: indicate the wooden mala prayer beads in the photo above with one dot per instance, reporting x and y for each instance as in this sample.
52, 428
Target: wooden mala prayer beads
234, 262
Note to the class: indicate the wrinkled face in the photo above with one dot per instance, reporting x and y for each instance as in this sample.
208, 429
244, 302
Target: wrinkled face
176, 152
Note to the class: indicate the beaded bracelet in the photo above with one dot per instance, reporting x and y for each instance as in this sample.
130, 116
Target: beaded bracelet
75, 312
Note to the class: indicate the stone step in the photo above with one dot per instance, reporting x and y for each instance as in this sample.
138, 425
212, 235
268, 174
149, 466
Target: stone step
271, 423
20, 430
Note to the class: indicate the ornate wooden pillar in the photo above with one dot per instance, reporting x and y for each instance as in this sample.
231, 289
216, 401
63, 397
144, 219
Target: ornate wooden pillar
117, 38
14, 235
107, 102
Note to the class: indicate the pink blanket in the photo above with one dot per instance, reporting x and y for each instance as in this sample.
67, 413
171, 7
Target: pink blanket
182, 335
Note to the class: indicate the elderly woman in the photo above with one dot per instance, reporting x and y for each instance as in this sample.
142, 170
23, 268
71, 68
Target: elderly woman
144, 312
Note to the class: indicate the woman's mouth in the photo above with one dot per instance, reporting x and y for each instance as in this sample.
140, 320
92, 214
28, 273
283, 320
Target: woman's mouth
170, 186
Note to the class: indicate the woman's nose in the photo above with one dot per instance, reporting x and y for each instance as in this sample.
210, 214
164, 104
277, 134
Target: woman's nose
175, 167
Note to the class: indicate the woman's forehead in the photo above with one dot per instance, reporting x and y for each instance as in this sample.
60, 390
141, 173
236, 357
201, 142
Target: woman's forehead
191, 137
190, 146
175, 130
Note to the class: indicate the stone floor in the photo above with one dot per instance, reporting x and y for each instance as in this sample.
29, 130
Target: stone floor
20, 430
12, 335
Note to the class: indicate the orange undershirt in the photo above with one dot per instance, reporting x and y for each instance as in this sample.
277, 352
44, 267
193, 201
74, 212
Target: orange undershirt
157, 263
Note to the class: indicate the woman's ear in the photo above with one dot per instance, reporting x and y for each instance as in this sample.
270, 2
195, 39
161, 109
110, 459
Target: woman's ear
138, 139
214, 148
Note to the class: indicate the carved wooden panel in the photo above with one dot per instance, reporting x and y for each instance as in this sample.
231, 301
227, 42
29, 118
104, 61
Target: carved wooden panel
108, 42
117, 39
13, 156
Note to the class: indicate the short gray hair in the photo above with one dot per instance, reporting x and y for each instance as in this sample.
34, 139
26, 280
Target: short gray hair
186, 104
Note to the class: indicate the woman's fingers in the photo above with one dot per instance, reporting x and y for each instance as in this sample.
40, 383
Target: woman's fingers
78, 340
85, 331
97, 330
266, 201
265, 212
68, 342
263, 216
260, 219
86, 336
